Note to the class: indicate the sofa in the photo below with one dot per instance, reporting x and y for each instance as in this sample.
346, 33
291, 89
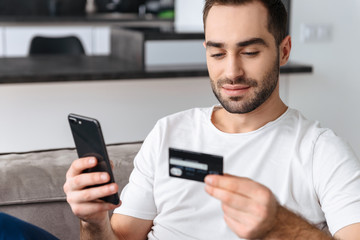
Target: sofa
31, 185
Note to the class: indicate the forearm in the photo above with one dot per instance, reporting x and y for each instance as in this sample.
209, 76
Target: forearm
291, 226
97, 231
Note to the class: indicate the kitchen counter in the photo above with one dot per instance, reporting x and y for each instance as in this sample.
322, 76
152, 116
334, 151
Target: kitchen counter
126, 19
89, 68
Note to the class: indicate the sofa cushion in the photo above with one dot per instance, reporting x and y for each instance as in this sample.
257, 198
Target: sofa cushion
35, 177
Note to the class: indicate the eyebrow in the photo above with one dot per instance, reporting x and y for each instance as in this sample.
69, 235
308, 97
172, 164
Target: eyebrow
252, 41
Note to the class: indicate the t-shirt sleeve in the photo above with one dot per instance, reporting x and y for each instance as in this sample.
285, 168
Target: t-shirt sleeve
337, 181
137, 196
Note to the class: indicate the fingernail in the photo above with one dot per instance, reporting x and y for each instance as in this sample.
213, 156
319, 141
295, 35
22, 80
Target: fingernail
208, 180
91, 161
103, 176
207, 188
112, 188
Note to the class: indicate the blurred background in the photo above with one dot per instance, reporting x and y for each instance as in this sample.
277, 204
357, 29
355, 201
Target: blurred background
324, 35
81, 7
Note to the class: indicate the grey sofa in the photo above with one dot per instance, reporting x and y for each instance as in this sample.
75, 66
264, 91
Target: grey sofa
31, 185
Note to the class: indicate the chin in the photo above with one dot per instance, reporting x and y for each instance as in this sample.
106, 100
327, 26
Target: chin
238, 108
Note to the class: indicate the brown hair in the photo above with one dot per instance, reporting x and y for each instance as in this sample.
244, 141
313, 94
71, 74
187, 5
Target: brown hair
277, 15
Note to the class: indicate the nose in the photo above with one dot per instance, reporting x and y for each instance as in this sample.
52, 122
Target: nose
234, 68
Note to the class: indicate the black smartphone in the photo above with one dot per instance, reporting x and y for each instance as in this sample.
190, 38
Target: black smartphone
89, 141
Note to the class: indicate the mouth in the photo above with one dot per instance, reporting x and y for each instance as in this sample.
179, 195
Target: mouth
235, 90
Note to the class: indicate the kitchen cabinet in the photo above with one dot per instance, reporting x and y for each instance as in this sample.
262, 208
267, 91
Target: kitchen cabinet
16, 39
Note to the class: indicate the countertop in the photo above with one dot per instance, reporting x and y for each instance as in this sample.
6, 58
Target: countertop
88, 68
100, 18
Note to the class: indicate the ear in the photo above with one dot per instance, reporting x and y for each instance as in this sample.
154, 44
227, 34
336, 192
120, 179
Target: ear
204, 44
285, 48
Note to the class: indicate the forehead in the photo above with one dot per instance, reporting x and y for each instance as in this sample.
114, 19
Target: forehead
236, 22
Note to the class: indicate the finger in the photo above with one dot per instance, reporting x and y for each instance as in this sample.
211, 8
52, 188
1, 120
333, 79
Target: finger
242, 229
79, 165
91, 194
240, 185
239, 207
233, 200
87, 209
241, 217
248, 226
86, 179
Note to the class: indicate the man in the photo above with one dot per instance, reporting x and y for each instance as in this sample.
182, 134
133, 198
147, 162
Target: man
285, 178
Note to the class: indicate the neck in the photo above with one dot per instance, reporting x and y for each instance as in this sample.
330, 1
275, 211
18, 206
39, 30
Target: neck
269, 111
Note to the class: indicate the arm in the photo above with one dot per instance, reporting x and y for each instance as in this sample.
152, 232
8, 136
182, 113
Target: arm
126, 227
120, 227
351, 232
291, 226
251, 211
95, 222
101, 230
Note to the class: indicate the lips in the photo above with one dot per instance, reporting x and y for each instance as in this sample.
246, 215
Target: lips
235, 90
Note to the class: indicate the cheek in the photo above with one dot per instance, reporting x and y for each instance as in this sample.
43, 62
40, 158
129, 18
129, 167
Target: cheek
214, 68
253, 68
256, 67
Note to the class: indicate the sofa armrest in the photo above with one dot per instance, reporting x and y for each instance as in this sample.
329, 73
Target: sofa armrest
35, 177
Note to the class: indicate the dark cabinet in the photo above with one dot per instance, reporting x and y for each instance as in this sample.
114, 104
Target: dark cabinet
125, 6
42, 7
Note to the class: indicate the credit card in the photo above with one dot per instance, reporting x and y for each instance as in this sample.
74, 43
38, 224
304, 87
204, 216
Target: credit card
193, 165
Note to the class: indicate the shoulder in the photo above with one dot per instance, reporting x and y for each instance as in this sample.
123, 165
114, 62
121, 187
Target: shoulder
313, 140
303, 127
319, 136
325, 148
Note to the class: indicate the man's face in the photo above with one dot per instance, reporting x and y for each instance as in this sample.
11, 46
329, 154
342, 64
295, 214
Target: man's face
242, 56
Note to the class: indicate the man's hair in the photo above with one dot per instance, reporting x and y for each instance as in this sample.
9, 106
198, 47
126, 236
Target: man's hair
277, 15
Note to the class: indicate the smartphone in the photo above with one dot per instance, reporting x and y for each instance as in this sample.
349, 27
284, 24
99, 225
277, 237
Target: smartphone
89, 141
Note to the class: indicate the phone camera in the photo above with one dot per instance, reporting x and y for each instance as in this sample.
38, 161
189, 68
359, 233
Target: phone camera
73, 120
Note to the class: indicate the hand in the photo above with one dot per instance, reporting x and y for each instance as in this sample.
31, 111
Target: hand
84, 201
249, 208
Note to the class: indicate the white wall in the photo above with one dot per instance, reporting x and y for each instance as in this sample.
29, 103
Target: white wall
331, 93
101, 40
170, 52
1, 41
188, 15
34, 116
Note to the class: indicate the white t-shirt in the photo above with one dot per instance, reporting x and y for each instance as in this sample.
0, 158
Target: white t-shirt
309, 169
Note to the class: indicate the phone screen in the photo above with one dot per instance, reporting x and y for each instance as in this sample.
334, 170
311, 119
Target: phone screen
89, 141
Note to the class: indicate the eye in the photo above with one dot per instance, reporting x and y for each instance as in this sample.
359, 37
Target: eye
251, 54
217, 55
